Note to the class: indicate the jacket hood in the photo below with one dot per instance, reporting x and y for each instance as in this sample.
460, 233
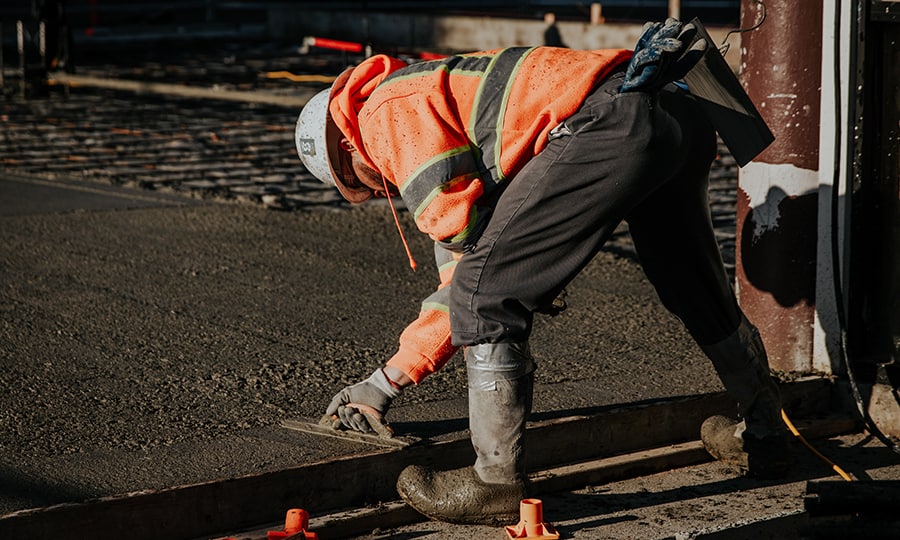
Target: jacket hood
348, 101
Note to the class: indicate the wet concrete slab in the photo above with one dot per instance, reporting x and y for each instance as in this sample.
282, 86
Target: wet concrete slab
166, 342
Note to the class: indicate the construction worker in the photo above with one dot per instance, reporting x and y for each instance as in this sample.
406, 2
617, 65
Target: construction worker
552, 37
519, 164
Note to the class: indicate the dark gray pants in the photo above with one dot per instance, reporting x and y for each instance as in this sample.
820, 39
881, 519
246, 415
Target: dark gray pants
638, 157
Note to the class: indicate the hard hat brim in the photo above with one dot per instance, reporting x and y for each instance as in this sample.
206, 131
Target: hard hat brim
354, 195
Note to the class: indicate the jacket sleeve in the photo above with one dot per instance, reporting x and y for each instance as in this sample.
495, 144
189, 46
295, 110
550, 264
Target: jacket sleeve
425, 344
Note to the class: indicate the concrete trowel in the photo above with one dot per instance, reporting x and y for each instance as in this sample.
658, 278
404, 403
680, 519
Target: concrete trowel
382, 433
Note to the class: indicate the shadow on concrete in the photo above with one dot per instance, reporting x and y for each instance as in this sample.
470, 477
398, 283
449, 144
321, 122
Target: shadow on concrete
15, 484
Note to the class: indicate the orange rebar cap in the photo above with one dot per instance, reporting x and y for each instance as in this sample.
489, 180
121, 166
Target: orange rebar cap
295, 524
531, 522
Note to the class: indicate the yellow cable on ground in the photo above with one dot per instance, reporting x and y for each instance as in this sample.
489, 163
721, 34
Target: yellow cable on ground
797, 434
299, 78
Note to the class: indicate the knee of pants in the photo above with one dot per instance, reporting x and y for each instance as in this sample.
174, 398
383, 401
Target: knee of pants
479, 315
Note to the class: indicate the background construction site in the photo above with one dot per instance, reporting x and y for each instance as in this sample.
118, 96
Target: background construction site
175, 286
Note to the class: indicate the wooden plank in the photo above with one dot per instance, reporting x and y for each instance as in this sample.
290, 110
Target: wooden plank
601, 471
397, 513
651, 425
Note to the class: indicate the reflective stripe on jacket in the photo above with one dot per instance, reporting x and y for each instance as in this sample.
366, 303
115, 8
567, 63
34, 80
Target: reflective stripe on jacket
447, 133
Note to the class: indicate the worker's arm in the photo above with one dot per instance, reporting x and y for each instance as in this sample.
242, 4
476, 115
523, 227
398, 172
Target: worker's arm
425, 344
424, 348
420, 146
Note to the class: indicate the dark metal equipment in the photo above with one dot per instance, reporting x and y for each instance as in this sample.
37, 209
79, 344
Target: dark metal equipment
873, 302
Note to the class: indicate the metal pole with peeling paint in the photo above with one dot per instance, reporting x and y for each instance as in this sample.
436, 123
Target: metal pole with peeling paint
777, 206
834, 152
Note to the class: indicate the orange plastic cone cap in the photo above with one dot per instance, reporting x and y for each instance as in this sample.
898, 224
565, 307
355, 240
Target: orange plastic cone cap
531, 522
295, 523
297, 519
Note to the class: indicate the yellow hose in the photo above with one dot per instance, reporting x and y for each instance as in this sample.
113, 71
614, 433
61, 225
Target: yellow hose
797, 434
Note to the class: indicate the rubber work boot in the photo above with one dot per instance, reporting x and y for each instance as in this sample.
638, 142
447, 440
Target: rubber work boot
757, 442
460, 496
501, 382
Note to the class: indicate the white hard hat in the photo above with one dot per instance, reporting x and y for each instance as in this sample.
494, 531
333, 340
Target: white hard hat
317, 138
312, 140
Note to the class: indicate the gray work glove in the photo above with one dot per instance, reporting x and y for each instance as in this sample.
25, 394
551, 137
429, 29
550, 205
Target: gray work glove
663, 54
376, 392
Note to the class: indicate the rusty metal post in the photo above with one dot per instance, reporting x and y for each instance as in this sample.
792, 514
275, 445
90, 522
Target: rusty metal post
777, 196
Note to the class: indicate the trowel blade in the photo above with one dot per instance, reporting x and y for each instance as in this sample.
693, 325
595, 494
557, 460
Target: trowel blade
324, 427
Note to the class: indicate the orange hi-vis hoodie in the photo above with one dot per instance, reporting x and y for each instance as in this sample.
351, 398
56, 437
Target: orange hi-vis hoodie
447, 133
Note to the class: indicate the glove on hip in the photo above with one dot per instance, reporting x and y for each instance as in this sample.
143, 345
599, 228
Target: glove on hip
663, 54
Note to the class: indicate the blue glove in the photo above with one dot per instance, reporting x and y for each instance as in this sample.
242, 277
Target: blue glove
663, 54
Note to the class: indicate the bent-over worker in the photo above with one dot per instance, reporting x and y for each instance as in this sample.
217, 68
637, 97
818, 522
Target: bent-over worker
519, 163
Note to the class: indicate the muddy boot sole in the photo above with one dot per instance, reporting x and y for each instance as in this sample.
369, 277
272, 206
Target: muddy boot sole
459, 496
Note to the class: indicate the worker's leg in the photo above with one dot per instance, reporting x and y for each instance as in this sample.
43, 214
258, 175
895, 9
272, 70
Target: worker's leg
559, 210
757, 440
673, 234
674, 237
501, 378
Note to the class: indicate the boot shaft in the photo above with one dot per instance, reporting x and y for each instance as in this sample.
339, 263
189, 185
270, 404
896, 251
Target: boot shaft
501, 385
742, 365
